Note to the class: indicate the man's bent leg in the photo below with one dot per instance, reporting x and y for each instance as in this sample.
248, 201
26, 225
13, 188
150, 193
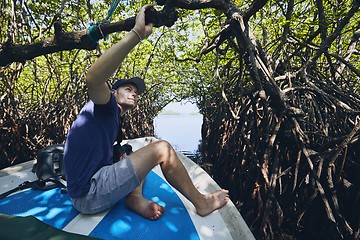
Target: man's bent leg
162, 153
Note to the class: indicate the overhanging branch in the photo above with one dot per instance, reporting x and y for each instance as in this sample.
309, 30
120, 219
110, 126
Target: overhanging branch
78, 39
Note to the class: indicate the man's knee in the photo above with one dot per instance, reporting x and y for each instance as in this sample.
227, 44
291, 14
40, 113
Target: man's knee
163, 149
163, 144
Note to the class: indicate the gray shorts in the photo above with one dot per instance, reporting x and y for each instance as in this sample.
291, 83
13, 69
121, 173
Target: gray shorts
108, 186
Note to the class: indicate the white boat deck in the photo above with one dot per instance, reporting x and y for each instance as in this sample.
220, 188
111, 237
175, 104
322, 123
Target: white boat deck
225, 223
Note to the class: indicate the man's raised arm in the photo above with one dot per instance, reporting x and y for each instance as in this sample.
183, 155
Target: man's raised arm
103, 68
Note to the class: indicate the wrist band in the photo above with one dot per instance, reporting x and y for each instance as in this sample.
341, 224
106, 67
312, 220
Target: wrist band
133, 30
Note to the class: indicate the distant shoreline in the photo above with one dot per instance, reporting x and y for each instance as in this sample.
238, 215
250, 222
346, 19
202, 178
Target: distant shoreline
170, 112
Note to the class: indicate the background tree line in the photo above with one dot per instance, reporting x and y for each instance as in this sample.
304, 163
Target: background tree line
277, 83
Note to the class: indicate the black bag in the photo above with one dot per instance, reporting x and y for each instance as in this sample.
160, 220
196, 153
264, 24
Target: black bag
48, 169
49, 163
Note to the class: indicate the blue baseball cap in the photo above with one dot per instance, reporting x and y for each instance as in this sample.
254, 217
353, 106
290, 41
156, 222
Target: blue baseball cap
138, 82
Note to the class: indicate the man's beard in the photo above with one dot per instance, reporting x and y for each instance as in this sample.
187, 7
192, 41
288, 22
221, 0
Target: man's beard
128, 106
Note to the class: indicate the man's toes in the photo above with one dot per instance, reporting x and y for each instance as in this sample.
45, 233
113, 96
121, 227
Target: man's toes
157, 215
161, 210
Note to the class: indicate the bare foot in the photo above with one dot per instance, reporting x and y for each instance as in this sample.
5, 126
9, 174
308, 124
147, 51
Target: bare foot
144, 207
212, 202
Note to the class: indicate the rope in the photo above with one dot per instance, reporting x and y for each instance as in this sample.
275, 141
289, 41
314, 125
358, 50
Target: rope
94, 32
112, 9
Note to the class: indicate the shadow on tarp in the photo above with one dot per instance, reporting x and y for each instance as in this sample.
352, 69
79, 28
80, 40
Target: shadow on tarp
51, 206
174, 224
54, 208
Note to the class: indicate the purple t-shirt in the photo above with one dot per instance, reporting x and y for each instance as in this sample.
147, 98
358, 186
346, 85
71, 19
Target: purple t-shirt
89, 144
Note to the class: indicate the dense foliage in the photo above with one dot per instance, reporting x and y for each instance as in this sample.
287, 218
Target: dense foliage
276, 81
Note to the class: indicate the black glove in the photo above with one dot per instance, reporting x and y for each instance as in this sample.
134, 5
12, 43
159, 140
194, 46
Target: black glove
119, 151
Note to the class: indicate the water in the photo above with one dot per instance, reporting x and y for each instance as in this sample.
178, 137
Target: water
182, 131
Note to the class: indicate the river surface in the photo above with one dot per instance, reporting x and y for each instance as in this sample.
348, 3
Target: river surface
182, 131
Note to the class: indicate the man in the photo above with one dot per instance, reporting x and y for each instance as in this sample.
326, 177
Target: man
95, 183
